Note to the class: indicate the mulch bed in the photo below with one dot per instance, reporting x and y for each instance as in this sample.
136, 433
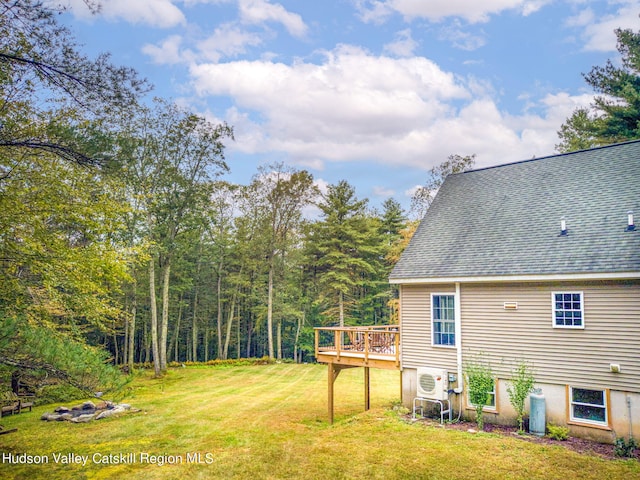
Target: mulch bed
579, 445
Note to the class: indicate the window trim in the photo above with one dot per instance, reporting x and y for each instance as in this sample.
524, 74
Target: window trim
553, 309
487, 408
572, 420
455, 320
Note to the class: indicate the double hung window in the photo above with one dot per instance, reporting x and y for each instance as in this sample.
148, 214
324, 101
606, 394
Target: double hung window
589, 406
568, 310
443, 319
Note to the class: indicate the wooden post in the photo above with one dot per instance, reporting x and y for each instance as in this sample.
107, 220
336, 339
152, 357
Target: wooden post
367, 401
333, 373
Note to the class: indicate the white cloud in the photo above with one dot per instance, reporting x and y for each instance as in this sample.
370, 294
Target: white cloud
472, 11
460, 38
599, 30
157, 13
383, 192
168, 52
261, 11
355, 106
403, 46
342, 109
227, 41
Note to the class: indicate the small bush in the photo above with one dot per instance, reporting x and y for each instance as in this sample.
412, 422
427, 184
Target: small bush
58, 393
625, 448
522, 382
556, 432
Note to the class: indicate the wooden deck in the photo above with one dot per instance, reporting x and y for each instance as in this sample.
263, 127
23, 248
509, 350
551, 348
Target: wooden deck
349, 347
372, 346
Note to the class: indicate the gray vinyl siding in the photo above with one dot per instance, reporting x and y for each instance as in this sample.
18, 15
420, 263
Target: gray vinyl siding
578, 357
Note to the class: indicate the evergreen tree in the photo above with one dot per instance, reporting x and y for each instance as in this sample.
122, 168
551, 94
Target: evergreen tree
342, 248
615, 114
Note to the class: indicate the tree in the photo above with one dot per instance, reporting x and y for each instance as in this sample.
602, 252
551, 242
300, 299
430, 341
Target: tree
39, 61
424, 195
522, 383
615, 114
280, 195
170, 156
342, 247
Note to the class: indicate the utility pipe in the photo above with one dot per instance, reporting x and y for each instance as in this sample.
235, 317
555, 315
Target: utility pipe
458, 334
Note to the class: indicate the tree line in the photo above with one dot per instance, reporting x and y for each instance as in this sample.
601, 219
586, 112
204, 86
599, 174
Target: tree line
121, 242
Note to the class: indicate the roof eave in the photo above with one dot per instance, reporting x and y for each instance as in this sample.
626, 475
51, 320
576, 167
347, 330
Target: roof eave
553, 277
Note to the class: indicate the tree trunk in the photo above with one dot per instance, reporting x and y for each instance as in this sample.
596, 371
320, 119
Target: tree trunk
249, 332
227, 337
238, 352
279, 339
341, 306
219, 320
295, 343
207, 336
165, 313
194, 328
270, 309
175, 337
154, 317
132, 330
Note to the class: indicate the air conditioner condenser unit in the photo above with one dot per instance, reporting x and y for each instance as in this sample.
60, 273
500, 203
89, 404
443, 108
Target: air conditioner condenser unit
433, 383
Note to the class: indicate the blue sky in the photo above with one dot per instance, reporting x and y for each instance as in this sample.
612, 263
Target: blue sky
376, 92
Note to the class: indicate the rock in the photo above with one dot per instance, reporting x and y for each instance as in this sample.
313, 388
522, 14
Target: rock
64, 416
110, 413
62, 410
88, 405
49, 416
87, 417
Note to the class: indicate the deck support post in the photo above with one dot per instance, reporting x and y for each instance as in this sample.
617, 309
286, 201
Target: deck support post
333, 371
367, 401
333, 374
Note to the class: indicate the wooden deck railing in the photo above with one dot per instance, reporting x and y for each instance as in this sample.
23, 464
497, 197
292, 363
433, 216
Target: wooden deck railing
379, 343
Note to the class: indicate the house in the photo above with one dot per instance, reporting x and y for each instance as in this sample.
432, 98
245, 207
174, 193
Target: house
535, 261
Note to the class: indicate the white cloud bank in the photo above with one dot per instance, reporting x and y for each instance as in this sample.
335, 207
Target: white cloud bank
354, 106
473, 11
157, 13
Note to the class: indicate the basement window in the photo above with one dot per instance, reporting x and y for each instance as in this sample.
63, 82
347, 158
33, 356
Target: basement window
568, 310
589, 406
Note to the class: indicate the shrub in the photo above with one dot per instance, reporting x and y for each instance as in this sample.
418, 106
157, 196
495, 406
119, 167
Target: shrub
556, 432
625, 448
480, 383
522, 382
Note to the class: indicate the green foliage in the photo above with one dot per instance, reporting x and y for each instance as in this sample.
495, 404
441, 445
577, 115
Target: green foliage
557, 432
480, 384
615, 114
43, 349
423, 196
625, 448
521, 385
58, 393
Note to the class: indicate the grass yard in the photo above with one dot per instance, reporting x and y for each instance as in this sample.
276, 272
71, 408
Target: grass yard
270, 422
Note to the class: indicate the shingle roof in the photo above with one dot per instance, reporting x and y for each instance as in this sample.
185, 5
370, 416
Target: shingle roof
505, 220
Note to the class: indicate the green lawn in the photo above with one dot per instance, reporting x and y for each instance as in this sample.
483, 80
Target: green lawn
270, 422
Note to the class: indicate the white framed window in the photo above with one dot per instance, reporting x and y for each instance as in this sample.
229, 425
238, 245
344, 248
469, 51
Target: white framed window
568, 309
491, 403
588, 406
443, 319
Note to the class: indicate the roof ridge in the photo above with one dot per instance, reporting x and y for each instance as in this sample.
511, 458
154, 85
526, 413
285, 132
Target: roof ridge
564, 154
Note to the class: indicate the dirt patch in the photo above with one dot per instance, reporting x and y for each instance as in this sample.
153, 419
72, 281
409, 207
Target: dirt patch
579, 445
